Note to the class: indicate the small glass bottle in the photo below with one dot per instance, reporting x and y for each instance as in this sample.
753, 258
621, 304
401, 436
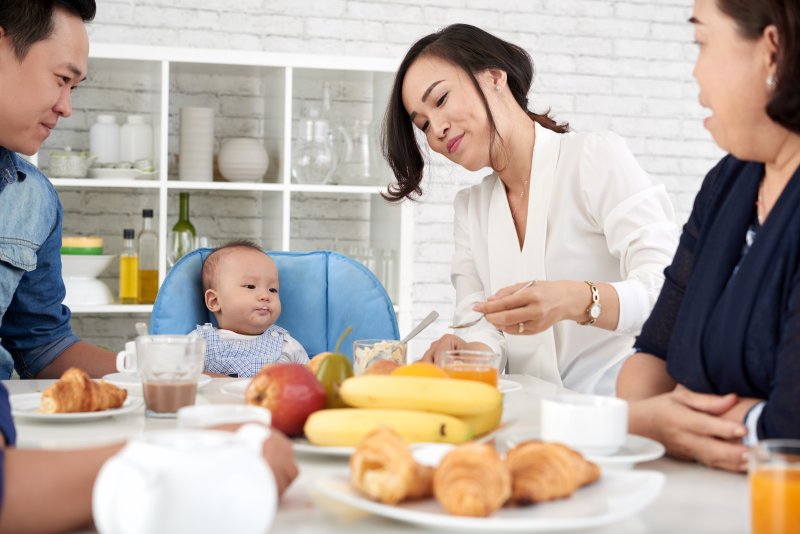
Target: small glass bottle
148, 260
128, 270
183, 234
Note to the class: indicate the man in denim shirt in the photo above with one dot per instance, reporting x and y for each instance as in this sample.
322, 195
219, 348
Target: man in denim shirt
36, 80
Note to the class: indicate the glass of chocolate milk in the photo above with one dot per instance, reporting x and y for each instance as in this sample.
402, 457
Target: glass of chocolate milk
169, 366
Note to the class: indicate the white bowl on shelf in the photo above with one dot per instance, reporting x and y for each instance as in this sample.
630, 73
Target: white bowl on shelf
242, 159
80, 274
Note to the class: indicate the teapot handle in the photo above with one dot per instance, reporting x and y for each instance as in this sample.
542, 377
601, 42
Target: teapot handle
348, 146
253, 435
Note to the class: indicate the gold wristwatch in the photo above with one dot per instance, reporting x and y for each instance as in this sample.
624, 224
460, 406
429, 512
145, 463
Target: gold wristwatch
594, 309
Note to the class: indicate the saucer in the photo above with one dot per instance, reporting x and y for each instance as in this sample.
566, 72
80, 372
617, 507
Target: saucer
132, 382
636, 449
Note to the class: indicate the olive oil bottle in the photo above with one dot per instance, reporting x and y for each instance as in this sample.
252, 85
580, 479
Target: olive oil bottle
128, 270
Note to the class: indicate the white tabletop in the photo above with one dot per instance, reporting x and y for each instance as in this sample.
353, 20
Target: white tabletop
694, 499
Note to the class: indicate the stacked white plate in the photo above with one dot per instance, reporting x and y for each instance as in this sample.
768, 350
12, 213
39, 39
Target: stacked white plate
242, 159
196, 144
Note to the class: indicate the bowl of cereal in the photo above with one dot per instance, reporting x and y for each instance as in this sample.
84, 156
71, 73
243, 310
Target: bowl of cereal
366, 352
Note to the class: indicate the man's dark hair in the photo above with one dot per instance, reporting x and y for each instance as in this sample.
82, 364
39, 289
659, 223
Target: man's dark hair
216, 255
27, 22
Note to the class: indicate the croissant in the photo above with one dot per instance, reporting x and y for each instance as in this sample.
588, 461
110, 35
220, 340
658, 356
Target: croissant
472, 480
544, 471
383, 468
76, 392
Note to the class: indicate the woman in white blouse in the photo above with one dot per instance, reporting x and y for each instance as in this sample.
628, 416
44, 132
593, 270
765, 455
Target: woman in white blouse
575, 212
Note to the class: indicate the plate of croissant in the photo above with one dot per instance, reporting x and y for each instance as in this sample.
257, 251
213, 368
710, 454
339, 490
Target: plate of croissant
74, 397
536, 487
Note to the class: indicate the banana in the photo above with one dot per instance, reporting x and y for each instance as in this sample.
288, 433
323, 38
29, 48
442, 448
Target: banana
345, 427
442, 395
484, 422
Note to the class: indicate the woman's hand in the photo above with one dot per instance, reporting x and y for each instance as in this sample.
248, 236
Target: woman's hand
692, 427
450, 342
537, 307
278, 453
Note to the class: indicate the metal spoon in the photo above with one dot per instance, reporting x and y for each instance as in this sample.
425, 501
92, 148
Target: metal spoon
475, 321
421, 326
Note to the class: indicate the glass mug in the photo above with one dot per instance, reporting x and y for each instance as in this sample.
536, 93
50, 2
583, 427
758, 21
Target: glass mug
774, 472
169, 366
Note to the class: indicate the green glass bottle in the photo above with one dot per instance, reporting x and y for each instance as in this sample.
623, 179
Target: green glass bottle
183, 233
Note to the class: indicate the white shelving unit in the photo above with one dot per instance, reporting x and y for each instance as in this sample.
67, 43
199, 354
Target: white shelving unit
254, 94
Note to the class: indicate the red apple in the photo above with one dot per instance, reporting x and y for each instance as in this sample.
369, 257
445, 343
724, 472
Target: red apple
290, 391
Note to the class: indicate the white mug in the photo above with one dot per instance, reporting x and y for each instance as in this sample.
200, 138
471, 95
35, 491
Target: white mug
172, 481
126, 359
591, 424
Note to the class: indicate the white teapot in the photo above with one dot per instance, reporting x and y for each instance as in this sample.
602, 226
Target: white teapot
192, 481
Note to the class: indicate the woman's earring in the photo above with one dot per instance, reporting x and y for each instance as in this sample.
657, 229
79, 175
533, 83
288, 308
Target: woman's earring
498, 88
771, 81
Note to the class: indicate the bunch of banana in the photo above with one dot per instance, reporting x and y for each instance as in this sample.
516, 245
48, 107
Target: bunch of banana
420, 409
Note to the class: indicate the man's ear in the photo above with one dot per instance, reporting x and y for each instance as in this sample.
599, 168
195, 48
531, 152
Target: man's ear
212, 300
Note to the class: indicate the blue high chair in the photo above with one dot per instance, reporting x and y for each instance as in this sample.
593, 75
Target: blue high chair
322, 293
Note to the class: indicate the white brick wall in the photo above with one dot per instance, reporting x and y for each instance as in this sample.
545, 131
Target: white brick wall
623, 65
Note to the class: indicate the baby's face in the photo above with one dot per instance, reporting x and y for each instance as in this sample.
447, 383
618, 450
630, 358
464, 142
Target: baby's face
246, 286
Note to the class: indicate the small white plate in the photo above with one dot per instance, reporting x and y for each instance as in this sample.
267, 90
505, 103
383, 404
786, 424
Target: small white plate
507, 386
26, 405
636, 449
236, 389
120, 174
617, 495
133, 383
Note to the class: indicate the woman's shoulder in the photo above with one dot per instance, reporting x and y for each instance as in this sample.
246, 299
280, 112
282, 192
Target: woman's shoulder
479, 191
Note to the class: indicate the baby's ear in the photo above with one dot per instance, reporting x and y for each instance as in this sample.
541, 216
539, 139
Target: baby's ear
212, 301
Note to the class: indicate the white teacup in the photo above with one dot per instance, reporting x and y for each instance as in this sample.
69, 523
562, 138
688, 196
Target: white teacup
126, 359
198, 481
590, 424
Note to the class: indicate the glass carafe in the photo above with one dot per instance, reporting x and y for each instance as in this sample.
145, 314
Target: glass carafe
313, 157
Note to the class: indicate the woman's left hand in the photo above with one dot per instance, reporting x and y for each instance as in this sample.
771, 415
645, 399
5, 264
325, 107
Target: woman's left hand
536, 308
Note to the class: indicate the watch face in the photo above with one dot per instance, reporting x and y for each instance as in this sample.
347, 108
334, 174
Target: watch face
594, 310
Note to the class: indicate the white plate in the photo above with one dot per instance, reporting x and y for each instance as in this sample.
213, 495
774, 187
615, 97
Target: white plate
635, 449
26, 405
133, 383
120, 174
507, 386
237, 389
302, 445
618, 494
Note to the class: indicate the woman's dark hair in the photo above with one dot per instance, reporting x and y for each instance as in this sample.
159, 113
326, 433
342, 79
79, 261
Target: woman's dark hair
27, 22
751, 18
473, 50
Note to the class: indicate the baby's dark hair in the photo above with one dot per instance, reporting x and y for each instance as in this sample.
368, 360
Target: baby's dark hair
212, 260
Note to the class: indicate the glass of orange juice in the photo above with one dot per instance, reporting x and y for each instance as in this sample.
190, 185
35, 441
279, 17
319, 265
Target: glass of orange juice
479, 365
774, 471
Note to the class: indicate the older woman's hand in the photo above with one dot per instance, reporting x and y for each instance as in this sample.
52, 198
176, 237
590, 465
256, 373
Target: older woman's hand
691, 426
536, 308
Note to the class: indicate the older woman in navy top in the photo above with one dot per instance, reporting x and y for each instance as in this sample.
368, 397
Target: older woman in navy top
718, 365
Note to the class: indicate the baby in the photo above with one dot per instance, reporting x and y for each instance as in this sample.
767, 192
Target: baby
240, 284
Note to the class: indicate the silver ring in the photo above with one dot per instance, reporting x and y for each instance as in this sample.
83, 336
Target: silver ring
521, 328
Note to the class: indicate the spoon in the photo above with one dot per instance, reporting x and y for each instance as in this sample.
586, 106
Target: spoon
474, 322
421, 326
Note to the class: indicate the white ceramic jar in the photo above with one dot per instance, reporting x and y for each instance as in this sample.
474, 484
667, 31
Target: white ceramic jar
104, 139
136, 139
242, 159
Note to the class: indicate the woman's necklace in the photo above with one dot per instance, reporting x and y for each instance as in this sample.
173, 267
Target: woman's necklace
522, 198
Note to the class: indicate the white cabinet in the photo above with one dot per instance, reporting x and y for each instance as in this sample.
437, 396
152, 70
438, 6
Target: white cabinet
256, 95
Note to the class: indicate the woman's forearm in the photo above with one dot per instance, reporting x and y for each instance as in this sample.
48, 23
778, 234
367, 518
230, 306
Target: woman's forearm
642, 376
57, 483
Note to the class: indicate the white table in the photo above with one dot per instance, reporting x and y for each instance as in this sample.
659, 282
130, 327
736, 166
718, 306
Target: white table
695, 498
